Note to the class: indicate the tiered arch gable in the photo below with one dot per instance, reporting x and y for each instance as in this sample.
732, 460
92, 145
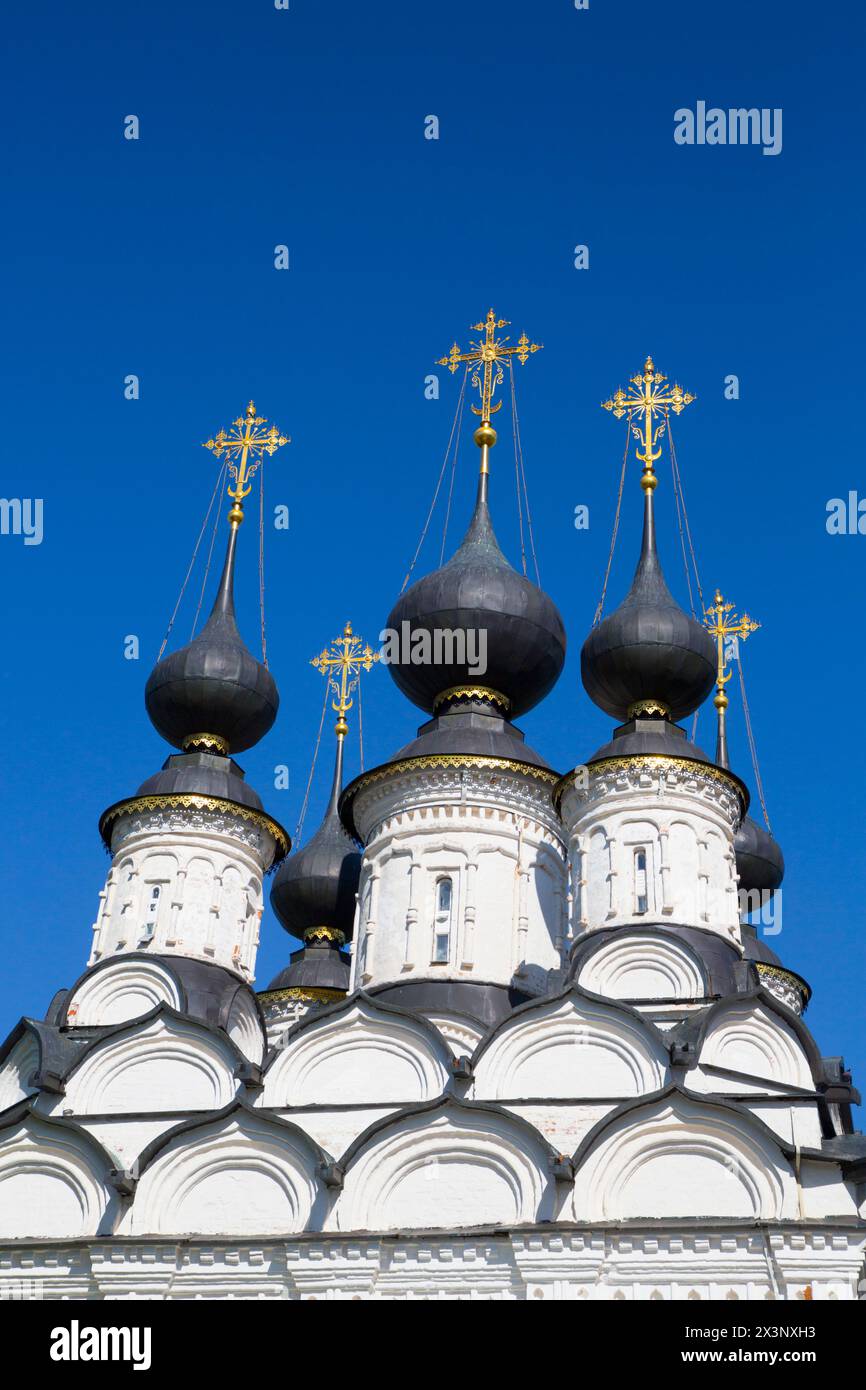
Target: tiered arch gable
163, 1060
642, 965
55, 1179
240, 1172
358, 1048
743, 1042
446, 1165
683, 1156
570, 1045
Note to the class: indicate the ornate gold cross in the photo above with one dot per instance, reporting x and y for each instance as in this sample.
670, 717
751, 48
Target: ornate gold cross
488, 357
722, 622
348, 656
647, 397
244, 449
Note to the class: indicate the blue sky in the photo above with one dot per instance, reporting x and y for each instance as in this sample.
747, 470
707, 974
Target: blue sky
305, 127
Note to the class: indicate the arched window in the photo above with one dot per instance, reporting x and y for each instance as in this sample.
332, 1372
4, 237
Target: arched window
154, 893
640, 881
443, 914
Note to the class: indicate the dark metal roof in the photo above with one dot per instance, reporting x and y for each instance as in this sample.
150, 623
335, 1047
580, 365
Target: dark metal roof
207, 991
317, 965
648, 648
648, 737
480, 1003
205, 774
483, 734
478, 590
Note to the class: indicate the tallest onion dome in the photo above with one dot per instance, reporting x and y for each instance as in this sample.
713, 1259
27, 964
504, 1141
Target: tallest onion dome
481, 626
475, 630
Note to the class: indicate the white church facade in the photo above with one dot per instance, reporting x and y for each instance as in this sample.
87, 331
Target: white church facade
529, 1047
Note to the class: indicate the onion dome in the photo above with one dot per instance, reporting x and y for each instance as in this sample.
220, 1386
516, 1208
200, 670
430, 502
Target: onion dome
212, 694
759, 859
313, 892
760, 863
313, 895
648, 657
476, 630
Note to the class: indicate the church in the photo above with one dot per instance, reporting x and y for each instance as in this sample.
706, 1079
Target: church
531, 1045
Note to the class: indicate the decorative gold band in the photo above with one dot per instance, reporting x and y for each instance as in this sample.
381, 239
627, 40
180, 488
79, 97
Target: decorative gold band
325, 934
305, 994
648, 707
193, 801
541, 774
658, 762
210, 743
777, 972
472, 692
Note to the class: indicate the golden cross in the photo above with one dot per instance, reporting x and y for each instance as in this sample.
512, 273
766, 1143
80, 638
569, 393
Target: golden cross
648, 398
722, 622
347, 655
244, 449
488, 356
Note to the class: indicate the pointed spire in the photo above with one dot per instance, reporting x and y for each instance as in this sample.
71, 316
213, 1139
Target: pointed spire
313, 894
725, 627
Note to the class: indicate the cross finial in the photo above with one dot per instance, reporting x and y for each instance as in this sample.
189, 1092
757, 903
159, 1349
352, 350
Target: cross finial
487, 358
646, 397
245, 447
348, 655
722, 622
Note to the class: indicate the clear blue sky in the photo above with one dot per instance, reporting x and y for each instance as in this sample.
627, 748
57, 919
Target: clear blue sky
305, 127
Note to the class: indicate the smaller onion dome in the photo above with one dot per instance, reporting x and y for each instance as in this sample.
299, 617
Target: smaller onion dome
648, 656
212, 693
759, 859
760, 862
313, 892
476, 597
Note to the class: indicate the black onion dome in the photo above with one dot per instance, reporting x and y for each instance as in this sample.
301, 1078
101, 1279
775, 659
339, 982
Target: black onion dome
478, 590
316, 887
760, 862
648, 651
213, 692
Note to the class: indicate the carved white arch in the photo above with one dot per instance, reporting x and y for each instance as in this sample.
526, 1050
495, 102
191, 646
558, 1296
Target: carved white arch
644, 966
244, 1027
168, 1064
364, 1052
681, 1158
123, 990
571, 1047
446, 1169
748, 1037
17, 1069
52, 1182
242, 1175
